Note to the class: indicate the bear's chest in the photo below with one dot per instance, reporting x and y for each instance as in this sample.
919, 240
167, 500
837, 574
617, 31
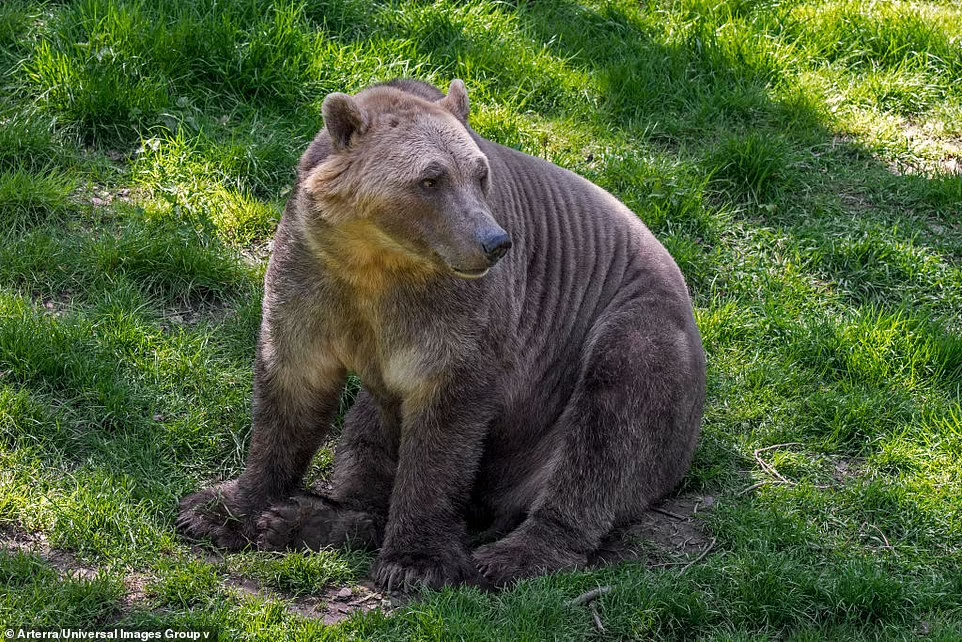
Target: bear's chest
389, 348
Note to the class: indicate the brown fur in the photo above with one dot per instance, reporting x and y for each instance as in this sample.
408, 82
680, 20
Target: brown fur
543, 398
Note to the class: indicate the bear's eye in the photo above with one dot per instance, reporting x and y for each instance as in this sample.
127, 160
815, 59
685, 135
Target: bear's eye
432, 175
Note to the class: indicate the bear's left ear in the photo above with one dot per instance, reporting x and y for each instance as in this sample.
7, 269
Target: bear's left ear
456, 101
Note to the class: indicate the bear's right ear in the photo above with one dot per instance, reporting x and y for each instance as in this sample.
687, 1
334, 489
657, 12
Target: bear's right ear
343, 118
456, 101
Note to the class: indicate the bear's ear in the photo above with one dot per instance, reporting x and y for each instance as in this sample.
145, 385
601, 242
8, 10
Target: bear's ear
456, 101
343, 118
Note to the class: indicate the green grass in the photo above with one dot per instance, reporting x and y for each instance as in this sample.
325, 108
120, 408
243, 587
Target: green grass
796, 157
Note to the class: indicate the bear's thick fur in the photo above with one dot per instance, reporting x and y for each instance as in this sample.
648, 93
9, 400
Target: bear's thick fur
542, 398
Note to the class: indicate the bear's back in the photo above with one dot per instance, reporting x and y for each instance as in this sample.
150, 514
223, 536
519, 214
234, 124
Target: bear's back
578, 254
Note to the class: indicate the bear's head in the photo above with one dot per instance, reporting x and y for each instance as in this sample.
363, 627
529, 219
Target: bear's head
400, 176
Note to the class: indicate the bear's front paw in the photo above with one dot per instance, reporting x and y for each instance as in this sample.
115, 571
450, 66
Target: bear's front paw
219, 514
313, 522
406, 572
517, 557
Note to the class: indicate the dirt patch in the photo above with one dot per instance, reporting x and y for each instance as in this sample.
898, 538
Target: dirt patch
54, 305
101, 196
846, 470
15, 539
950, 166
341, 603
257, 255
940, 156
190, 316
332, 606
670, 533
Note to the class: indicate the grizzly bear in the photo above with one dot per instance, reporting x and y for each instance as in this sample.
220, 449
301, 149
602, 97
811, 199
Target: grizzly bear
532, 372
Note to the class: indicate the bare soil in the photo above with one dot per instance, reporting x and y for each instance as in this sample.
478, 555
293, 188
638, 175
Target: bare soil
670, 533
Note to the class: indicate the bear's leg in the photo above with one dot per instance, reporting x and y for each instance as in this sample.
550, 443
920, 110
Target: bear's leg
356, 509
296, 392
442, 436
625, 439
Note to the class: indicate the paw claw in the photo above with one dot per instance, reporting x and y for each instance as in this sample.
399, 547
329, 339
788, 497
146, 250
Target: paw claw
411, 572
218, 514
517, 557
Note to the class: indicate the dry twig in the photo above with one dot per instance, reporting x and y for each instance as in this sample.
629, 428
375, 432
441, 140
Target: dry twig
771, 470
705, 552
768, 468
664, 511
366, 598
764, 482
589, 596
884, 538
594, 614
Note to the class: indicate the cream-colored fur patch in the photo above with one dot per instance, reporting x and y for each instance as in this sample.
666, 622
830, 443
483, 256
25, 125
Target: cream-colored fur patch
409, 373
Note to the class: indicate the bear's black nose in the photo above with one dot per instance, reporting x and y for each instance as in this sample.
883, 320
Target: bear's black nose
495, 245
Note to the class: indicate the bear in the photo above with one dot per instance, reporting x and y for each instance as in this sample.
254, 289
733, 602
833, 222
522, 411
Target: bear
532, 373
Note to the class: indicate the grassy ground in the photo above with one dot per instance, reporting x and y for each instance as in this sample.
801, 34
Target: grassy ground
800, 158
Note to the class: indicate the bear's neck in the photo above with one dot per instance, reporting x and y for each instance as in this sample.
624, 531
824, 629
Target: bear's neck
371, 262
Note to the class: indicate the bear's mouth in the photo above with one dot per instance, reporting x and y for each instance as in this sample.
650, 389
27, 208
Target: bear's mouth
470, 274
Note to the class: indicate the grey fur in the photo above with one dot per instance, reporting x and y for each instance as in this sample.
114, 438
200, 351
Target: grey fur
545, 403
